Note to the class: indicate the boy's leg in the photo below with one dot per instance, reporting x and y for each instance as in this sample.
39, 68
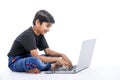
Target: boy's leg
48, 66
29, 63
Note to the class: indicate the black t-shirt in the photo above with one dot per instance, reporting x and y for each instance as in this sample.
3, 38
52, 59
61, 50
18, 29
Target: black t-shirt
27, 41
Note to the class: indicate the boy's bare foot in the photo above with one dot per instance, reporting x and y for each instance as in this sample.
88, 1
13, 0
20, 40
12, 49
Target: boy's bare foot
35, 70
55, 65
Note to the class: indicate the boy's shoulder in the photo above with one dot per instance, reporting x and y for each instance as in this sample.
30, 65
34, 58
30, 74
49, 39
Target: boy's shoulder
29, 30
27, 33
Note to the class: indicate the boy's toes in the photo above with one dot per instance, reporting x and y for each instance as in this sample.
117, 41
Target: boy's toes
35, 70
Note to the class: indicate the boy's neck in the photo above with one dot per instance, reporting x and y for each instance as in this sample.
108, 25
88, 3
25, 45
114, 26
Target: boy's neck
35, 31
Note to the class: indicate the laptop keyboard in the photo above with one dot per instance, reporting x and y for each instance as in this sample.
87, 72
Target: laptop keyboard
65, 69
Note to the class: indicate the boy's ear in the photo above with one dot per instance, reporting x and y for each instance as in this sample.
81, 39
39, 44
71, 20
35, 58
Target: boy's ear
37, 22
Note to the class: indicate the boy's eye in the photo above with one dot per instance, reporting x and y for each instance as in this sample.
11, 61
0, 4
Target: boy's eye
48, 26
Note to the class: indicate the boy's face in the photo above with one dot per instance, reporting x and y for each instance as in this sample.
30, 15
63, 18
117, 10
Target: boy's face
44, 27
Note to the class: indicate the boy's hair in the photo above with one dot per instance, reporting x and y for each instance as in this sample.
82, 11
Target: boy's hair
43, 16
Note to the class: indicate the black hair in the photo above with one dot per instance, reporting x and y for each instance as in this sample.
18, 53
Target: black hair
43, 16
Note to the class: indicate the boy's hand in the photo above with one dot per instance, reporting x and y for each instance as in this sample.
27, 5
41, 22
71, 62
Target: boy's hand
62, 62
69, 63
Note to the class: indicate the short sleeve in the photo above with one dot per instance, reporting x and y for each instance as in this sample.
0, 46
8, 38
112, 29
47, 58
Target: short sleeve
42, 43
29, 42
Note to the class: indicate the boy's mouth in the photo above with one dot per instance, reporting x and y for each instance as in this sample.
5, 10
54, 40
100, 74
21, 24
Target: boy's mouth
45, 31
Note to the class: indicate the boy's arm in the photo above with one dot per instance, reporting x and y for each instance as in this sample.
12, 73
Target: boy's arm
52, 53
34, 53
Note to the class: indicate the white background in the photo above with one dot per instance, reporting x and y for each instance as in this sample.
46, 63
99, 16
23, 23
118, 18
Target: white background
76, 20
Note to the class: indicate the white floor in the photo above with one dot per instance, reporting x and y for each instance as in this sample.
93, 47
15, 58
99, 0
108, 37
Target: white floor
88, 74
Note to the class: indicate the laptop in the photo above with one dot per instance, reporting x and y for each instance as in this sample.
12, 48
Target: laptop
84, 60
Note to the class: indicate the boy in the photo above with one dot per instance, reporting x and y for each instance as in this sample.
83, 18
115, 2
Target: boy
24, 57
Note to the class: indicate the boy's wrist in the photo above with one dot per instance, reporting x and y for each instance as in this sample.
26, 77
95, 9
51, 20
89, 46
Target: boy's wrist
58, 59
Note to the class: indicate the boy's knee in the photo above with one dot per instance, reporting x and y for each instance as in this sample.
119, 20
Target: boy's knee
31, 63
34, 59
42, 65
